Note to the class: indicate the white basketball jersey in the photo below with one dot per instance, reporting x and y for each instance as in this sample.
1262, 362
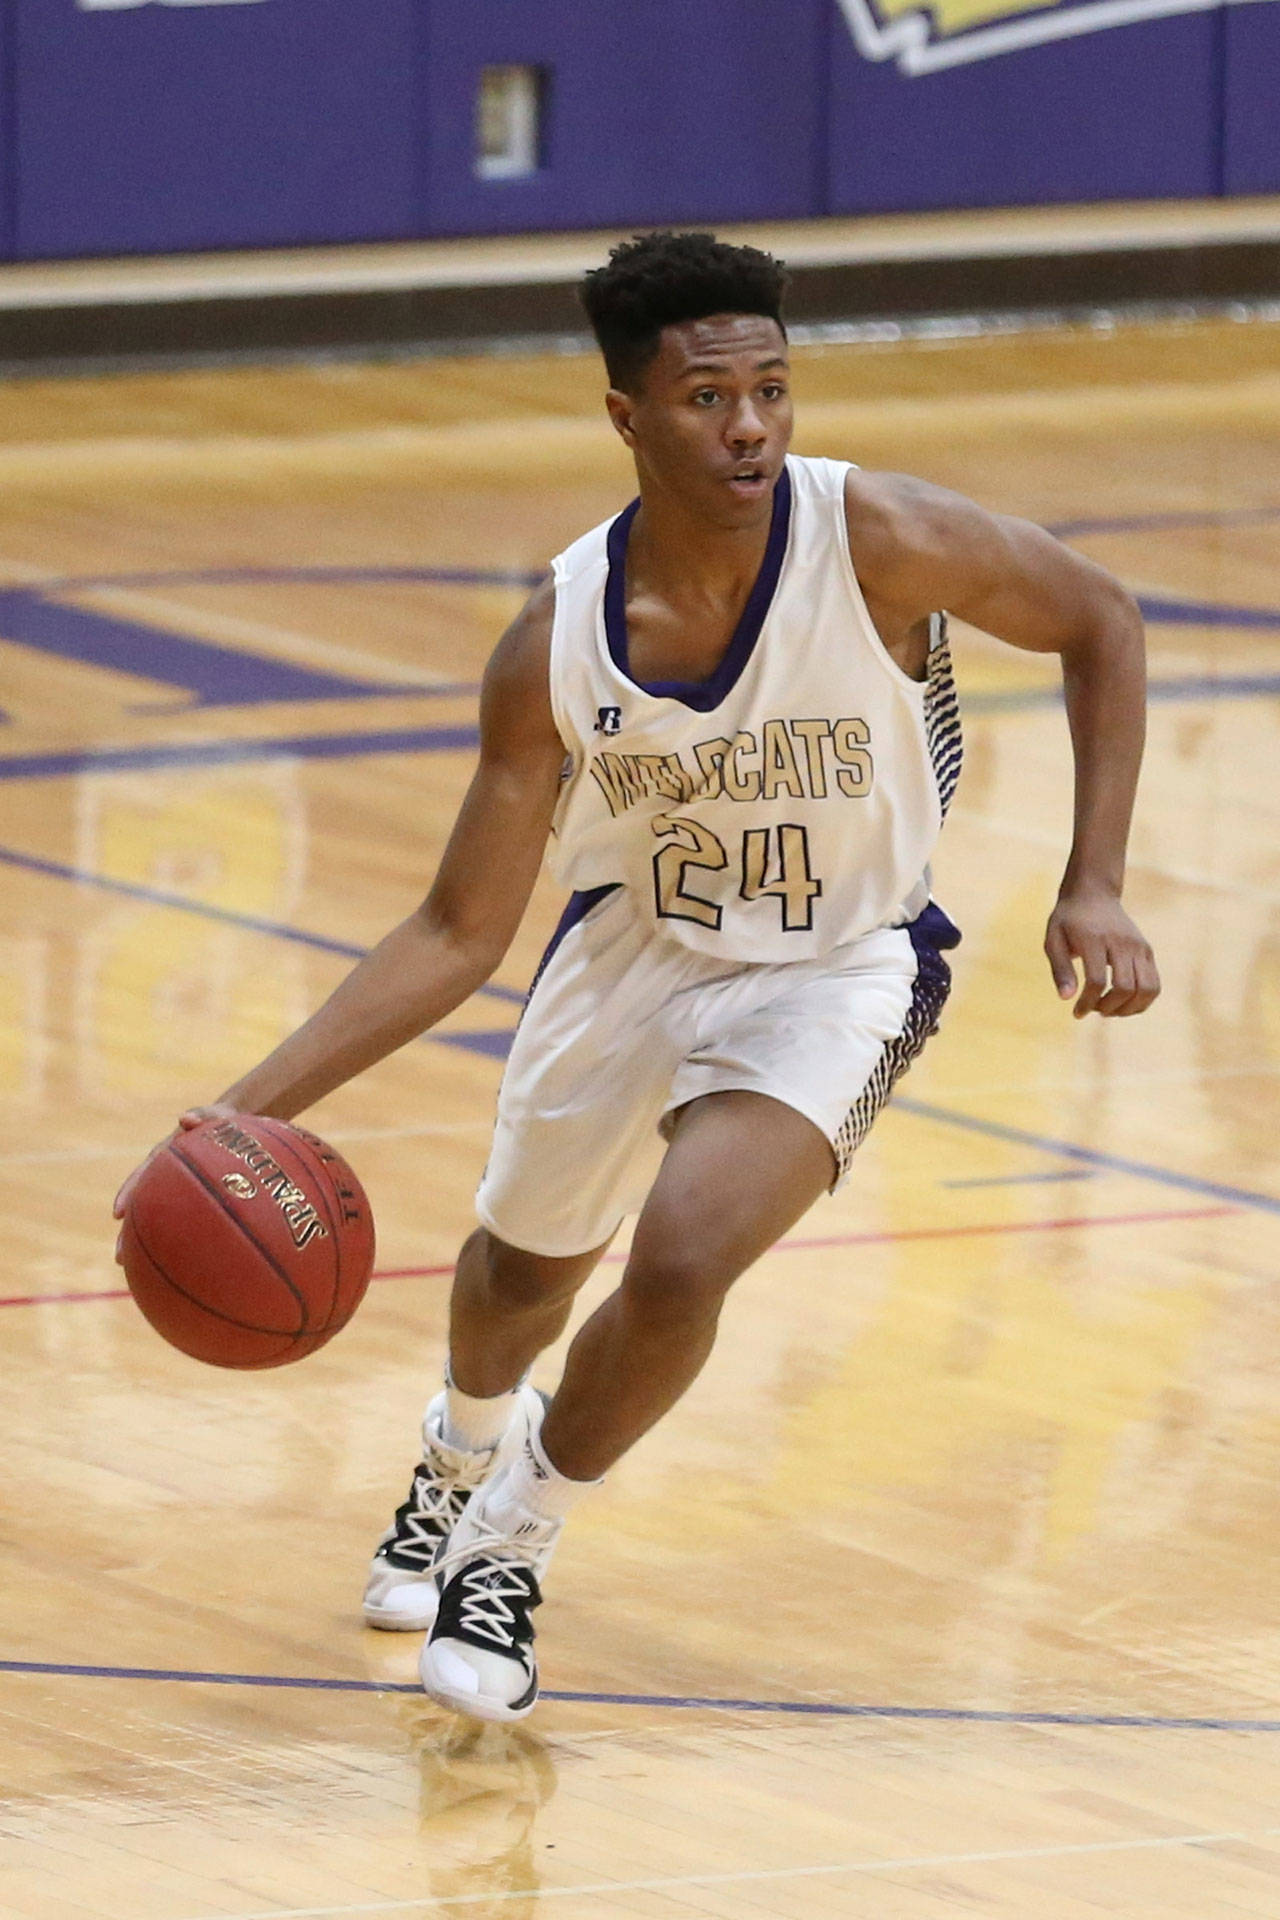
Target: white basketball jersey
785, 805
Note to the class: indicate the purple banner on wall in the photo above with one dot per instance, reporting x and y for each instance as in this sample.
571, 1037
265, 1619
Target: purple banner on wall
145, 125
1251, 147
703, 110
932, 106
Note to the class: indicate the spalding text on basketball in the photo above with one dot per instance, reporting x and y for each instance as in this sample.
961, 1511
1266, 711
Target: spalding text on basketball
300, 1216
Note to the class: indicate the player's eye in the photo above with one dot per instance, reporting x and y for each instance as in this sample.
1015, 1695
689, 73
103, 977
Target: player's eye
773, 390
705, 397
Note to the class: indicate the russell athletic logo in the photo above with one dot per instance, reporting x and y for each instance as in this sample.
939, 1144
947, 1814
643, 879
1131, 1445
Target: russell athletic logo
953, 33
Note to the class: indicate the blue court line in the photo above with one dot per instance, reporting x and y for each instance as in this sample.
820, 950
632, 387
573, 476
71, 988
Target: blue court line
206, 672
467, 738
51, 617
696, 1702
994, 1129
344, 746
1023, 1179
1110, 1162
267, 576
524, 577
1170, 692
1161, 522
250, 922
1163, 611
221, 753
495, 1041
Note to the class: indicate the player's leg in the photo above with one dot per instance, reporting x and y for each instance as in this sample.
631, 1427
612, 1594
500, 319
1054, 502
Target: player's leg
788, 1068
740, 1170
580, 1103
507, 1305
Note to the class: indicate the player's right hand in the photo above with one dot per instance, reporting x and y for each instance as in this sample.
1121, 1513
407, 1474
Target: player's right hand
191, 1118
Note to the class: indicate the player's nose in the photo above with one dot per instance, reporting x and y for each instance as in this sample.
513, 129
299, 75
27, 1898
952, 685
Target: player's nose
746, 427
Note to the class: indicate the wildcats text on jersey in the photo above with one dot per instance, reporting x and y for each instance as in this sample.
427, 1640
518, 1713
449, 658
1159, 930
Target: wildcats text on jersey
801, 759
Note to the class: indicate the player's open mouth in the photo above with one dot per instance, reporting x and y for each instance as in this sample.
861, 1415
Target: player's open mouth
749, 482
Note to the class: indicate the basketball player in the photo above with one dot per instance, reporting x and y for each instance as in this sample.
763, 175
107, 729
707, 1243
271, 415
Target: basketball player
732, 709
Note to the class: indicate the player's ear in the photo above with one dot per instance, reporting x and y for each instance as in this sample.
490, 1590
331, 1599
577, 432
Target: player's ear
621, 407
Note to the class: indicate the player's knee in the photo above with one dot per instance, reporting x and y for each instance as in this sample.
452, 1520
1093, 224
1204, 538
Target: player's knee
676, 1282
518, 1282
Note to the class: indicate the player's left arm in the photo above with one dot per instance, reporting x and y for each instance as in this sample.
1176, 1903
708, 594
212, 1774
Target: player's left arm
930, 549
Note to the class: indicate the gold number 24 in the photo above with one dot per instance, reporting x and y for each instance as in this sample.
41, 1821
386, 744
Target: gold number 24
688, 845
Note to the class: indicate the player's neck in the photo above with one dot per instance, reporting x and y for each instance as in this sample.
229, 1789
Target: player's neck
681, 557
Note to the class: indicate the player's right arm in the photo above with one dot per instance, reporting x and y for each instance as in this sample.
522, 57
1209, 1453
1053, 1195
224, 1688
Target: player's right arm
452, 943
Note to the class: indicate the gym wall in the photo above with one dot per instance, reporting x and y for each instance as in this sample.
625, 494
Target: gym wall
138, 126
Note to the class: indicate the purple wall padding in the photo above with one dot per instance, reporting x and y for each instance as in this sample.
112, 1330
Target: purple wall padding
152, 125
1251, 144
159, 127
679, 110
1128, 113
6, 133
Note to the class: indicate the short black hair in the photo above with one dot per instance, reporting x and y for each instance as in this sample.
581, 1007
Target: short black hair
656, 280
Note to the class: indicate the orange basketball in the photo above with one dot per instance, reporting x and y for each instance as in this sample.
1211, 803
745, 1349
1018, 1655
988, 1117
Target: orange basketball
248, 1242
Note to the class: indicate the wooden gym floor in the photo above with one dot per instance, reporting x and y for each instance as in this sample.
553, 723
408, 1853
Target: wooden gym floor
951, 1588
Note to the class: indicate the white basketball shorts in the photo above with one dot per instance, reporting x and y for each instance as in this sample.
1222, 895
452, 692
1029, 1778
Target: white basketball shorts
622, 1029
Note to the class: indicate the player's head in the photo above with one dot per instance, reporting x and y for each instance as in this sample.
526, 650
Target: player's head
659, 280
693, 339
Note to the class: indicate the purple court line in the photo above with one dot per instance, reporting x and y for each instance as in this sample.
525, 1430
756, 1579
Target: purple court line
976, 1231
226, 753
981, 1229
524, 577
465, 739
1090, 1156
1161, 522
297, 576
50, 616
1055, 1176
817, 1709
225, 916
994, 1129
1169, 692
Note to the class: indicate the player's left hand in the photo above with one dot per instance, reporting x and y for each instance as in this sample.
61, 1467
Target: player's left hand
1120, 975
191, 1118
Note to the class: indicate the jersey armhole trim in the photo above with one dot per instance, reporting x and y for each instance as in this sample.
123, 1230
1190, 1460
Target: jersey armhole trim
916, 687
557, 664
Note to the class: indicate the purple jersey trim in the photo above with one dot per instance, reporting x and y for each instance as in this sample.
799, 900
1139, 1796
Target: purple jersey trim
579, 906
701, 695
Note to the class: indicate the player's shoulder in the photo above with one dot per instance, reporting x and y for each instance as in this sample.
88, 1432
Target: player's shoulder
895, 519
516, 678
525, 645
587, 556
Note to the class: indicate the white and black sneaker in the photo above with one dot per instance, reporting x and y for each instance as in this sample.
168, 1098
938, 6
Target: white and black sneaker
479, 1659
401, 1592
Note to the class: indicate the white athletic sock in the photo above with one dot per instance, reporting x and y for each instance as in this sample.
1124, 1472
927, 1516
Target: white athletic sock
532, 1483
474, 1423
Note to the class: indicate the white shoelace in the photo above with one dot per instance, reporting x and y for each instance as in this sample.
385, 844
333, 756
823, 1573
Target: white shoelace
488, 1586
485, 1610
438, 1497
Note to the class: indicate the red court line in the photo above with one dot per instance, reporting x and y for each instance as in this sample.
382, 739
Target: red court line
783, 1246
907, 1233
